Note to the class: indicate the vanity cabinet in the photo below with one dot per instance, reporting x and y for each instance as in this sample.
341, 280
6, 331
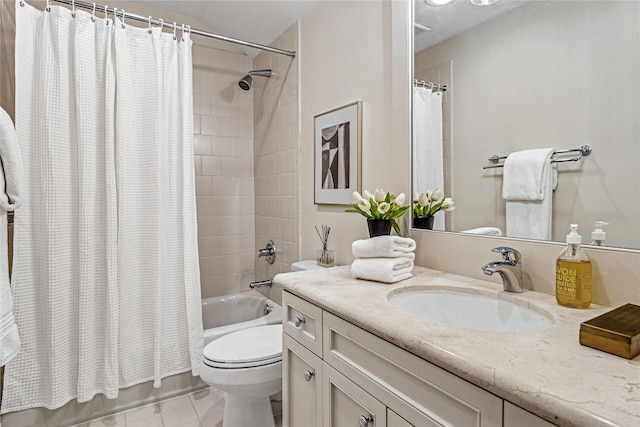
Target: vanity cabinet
338, 374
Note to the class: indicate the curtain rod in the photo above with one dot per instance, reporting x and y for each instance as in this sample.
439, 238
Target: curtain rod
160, 22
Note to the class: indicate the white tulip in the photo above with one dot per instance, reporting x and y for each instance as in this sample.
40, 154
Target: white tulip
364, 205
356, 197
383, 208
423, 200
416, 196
436, 195
448, 205
379, 195
366, 195
399, 200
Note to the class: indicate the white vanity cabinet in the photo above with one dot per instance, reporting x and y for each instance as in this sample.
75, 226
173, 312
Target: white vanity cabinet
338, 374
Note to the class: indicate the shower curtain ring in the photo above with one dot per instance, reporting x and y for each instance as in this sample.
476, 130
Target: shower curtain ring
106, 14
161, 23
174, 31
73, 8
93, 15
48, 7
182, 36
150, 31
122, 18
21, 3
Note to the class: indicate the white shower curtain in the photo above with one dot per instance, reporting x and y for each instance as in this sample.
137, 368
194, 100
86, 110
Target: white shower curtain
106, 279
428, 173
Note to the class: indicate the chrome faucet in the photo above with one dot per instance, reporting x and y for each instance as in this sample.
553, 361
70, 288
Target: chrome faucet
510, 269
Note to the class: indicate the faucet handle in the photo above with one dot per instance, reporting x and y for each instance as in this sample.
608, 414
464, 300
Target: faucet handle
508, 254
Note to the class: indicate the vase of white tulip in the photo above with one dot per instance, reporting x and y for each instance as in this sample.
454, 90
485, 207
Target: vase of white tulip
381, 210
426, 205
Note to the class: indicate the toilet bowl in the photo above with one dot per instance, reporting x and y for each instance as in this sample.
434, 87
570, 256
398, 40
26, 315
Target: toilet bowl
246, 366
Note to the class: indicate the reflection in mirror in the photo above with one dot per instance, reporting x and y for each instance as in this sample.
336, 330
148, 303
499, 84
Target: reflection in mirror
541, 74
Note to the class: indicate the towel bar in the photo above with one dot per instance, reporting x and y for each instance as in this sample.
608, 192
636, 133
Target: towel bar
584, 150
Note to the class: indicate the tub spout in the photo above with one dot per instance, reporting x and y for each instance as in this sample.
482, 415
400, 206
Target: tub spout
260, 284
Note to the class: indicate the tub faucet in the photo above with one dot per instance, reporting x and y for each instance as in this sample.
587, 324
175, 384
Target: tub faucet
510, 269
260, 284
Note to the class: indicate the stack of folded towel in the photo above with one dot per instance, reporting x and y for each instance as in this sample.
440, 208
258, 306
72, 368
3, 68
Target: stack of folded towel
387, 259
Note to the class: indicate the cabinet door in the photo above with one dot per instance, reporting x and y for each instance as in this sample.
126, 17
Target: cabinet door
395, 420
515, 416
347, 405
301, 385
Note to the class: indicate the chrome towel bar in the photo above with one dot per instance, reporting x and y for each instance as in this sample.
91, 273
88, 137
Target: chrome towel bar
583, 151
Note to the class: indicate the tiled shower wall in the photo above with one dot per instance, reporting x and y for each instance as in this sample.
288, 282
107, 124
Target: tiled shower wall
277, 141
223, 147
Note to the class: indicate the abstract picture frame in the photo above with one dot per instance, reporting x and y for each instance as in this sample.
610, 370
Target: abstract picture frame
338, 154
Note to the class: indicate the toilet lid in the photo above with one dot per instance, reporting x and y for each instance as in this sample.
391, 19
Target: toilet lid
247, 347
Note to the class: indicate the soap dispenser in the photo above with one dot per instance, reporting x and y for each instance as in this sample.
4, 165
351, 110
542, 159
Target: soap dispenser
598, 236
573, 273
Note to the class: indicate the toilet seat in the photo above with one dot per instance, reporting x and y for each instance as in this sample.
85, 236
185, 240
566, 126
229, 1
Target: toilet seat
246, 348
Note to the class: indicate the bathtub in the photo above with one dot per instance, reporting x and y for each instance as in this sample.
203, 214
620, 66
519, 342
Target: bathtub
229, 313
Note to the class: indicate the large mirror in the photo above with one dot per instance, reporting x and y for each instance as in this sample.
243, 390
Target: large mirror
526, 75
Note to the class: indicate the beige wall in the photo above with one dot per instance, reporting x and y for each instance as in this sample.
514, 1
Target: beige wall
354, 60
541, 77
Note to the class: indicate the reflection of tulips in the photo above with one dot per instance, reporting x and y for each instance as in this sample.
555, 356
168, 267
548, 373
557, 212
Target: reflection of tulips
427, 204
380, 205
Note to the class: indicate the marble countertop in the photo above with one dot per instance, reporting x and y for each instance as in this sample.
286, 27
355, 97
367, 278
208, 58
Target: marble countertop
546, 372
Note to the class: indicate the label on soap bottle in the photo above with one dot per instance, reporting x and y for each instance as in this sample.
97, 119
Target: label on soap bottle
573, 283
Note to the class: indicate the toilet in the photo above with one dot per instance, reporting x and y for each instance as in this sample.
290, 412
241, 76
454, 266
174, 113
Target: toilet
247, 366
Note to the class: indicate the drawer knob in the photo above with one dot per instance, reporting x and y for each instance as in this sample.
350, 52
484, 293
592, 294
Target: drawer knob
308, 375
364, 421
299, 321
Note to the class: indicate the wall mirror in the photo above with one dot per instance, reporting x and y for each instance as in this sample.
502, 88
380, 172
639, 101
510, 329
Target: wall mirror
525, 75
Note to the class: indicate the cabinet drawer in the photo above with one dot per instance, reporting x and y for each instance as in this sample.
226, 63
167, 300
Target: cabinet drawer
301, 385
423, 393
346, 404
303, 322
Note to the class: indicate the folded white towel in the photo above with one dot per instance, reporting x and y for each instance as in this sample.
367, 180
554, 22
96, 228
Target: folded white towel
387, 270
12, 173
487, 231
528, 184
383, 246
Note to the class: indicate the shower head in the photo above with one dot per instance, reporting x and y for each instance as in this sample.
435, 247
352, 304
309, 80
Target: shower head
245, 82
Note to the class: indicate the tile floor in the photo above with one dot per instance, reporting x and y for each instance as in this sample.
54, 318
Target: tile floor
203, 408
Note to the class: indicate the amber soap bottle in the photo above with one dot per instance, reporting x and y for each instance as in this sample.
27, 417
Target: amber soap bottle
573, 273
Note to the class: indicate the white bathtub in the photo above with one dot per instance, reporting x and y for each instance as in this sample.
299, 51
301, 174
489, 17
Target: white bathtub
229, 313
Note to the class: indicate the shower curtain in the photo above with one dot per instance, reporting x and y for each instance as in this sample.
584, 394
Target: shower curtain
428, 173
106, 278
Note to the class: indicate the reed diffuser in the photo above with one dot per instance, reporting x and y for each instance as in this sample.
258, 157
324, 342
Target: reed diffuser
325, 256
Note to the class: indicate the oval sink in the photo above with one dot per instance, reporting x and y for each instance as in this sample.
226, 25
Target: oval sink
470, 311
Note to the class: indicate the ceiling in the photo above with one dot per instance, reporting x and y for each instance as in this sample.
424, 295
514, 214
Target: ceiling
454, 18
262, 21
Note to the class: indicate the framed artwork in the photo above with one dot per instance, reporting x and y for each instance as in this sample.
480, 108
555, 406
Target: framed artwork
338, 154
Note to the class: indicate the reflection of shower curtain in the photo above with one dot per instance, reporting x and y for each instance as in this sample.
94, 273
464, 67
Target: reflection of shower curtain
428, 171
105, 276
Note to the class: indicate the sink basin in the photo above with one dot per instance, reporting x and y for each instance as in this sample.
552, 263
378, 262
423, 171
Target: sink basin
470, 311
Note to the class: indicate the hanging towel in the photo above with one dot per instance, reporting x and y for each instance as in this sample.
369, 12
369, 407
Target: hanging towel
387, 270
12, 171
383, 246
528, 182
11, 177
